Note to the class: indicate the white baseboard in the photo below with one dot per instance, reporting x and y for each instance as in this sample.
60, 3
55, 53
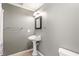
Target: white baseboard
40, 53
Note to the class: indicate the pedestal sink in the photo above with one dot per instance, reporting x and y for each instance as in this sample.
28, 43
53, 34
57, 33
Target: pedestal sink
34, 39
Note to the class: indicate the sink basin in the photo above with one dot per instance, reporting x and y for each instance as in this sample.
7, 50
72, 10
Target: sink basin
34, 37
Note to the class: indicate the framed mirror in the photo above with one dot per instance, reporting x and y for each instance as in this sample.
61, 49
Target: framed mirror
38, 22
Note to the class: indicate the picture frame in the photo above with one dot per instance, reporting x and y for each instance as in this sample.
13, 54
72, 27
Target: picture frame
38, 22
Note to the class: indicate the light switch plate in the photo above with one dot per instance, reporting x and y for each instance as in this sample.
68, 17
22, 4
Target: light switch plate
28, 30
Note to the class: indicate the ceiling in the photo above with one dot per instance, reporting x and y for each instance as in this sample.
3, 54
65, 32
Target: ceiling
31, 6
26, 8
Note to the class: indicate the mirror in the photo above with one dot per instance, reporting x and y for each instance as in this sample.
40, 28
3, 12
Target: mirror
38, 22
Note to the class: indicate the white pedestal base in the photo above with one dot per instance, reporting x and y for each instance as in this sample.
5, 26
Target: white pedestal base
34, 49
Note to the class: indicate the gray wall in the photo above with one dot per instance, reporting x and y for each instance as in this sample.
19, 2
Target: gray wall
60, 28
16, 21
